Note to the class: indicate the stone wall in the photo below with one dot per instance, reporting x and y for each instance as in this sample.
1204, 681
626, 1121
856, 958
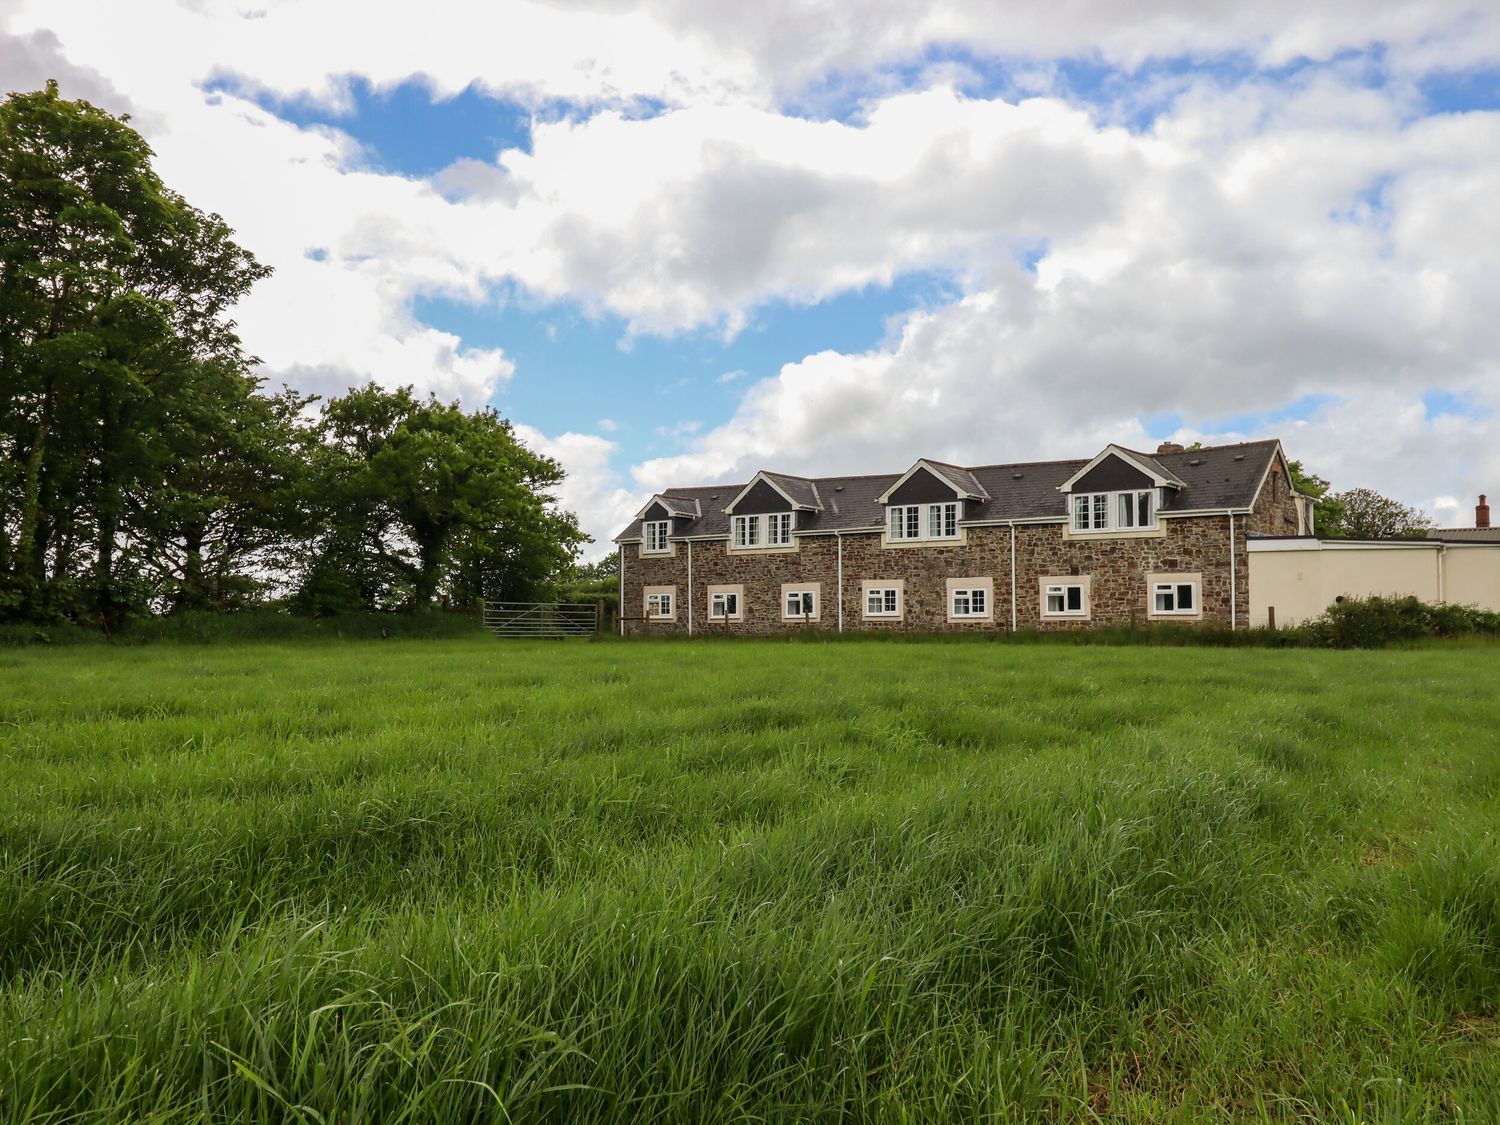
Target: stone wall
1117, 569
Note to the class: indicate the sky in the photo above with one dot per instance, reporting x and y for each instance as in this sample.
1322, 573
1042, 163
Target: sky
678, 241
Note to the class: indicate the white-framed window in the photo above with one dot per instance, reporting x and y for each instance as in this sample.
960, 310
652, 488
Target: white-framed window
779, 529
882, 601
656, 536
659, 607
799, 605
726, 603
970, 601
923, 521
1064, 599
1175, 595
772, 530
1132, 510
747, 531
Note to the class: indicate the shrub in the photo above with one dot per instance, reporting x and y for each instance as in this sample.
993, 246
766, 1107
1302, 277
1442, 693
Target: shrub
1378, 621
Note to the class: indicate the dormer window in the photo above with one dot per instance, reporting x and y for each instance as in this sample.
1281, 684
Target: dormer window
923, 521
1134, 510
771, 530
656, 536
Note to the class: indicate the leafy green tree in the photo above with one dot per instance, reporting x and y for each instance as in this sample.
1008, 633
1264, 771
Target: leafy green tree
1366, 514
1328, 509
114, 299
421, 498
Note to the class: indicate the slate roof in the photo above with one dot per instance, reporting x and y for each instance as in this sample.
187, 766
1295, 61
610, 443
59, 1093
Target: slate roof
800, 489
1214, 478
1465, 534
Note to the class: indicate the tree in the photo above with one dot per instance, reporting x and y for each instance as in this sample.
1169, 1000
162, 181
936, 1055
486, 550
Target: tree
420, 498
1328, 510
114, 299
1365, 514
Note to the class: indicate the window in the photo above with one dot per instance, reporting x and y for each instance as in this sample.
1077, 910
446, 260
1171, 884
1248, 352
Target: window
882, 601
923, 521
1064, 599
656, 536
779, 529
1175, 595
1114, 511
971, 601
800, 603
747, 531
723, 606
659, 607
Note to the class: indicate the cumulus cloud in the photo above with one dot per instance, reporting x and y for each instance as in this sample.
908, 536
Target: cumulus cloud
1260, 242
593, 490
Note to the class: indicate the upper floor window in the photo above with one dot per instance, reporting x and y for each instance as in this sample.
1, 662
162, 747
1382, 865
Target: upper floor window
773, 530
656, 536
1114, 511
924, 521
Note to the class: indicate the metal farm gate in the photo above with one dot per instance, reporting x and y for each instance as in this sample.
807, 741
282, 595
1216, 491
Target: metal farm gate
541, 619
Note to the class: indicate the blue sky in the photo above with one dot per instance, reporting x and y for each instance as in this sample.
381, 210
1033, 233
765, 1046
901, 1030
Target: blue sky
1030, 230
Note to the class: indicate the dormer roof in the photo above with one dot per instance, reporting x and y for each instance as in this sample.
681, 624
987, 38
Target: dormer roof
964, 483
1210, 479
683, 507
799, 492
1160, 476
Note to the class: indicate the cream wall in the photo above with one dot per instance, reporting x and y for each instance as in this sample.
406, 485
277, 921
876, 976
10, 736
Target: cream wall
1301, 578
1472, 574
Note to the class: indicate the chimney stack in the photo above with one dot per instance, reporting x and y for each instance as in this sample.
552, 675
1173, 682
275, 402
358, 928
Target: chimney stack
1481, 512
1169, 447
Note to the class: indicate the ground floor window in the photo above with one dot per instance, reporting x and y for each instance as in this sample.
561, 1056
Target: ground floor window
882, 601
726, 603
1065, 597
971, 598
1175, 595
660, 604
799, 602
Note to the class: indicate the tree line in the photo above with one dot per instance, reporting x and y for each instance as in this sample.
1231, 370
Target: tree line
145, 468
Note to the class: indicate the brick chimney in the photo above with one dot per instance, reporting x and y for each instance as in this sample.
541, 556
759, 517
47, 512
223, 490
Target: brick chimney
1481, 512
1169, 447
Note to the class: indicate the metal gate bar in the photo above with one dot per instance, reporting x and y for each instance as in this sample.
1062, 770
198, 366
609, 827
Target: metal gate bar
541, 619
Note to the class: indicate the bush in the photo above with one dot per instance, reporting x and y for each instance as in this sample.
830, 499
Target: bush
1378, 621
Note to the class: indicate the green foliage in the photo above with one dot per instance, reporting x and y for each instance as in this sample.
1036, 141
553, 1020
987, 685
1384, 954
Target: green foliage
142, 468
417, 498
1328, 509
1363, 513
1376, 621
474, 880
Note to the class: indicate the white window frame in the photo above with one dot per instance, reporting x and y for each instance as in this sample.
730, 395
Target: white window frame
666, 603
746, 532
909, 523
891, 597
779, 526
718, 603
1172, 584
807, 604
968, 595
1055, 587
651, 530
1098, 513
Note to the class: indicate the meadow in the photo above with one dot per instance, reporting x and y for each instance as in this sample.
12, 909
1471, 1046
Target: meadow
470, 880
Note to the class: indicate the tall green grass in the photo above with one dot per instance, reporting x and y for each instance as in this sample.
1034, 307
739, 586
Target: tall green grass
473, 880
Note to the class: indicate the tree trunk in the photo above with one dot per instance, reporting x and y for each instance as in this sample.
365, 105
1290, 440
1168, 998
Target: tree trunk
28, 572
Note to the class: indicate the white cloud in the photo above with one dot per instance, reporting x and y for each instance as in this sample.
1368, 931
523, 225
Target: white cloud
593, 490
1259, 244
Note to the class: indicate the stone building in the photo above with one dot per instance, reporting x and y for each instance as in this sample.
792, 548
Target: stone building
1121, 538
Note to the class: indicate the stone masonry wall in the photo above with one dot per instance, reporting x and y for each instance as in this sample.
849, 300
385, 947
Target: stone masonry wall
1117, 567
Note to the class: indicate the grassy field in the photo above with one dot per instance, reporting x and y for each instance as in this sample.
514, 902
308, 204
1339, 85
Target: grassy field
470, 880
